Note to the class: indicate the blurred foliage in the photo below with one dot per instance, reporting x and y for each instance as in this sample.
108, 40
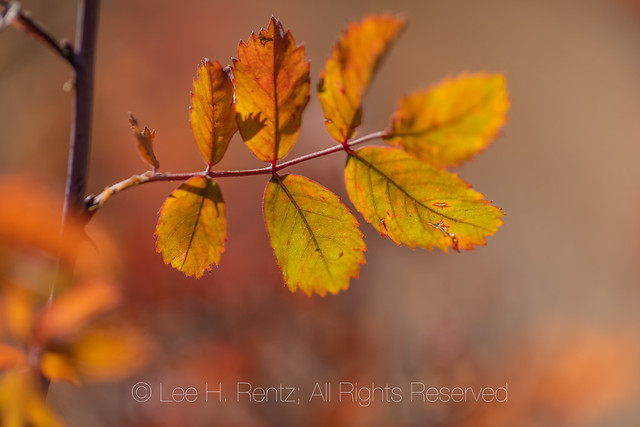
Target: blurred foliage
545, 308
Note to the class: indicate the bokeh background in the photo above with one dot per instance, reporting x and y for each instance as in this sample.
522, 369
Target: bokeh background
549, 306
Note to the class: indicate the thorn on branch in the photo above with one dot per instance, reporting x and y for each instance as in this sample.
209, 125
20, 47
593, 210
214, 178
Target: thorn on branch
9, 13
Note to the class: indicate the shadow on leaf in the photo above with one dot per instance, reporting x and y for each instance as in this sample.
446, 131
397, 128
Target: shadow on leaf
250, 125
211, 191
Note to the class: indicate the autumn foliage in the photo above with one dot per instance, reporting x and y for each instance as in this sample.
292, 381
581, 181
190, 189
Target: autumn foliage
77, 311
405, 193
79, 336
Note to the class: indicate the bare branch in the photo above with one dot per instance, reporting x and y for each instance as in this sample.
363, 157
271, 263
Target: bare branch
80, 140
13, 15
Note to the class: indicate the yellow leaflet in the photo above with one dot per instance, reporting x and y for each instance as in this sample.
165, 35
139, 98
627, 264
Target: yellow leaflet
315, 237
451, 122
417, 204
110, 352
192, 227
213, 115
349, 70
22, 402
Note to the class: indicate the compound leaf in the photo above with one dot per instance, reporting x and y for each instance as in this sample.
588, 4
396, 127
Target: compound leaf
192, 227
454, 120
213, 115
417, 204
314, 236
349, 70
272, 89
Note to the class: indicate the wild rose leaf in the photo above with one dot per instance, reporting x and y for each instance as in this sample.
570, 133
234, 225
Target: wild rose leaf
12, 358
110, 351
315, 237
75, 309
272, 89
192, 227
32, 219
417, 204
105, 351
213, 114
349, 70
145, 142
451, 122
16, 308
59, 366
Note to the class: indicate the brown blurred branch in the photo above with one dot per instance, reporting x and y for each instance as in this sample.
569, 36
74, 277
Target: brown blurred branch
80, 141
80, 134
93, 203
82, 59
12, 15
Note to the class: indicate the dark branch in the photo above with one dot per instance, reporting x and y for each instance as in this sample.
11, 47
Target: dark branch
80, 141
13, 15
83, 60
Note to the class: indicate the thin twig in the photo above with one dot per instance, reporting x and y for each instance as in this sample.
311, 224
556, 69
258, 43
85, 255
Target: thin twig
366, 138
93, 203
13, 15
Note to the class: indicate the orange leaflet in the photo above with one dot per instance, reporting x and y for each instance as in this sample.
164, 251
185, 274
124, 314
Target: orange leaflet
32, 219
417, 204
192, 227
349, 70
16, 308
59, 366
71, 345
314, 236
453, 121
213, 115
145, 142
103, 352
12, 358
272, 89
75, 309
110, 351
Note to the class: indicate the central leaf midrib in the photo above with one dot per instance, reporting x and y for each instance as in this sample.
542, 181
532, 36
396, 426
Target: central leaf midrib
306, 223
213, 121
366, 163
451, 122
275, 99
195, 225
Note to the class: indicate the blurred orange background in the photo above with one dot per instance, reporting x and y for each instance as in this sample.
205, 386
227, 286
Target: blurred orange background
549, 306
